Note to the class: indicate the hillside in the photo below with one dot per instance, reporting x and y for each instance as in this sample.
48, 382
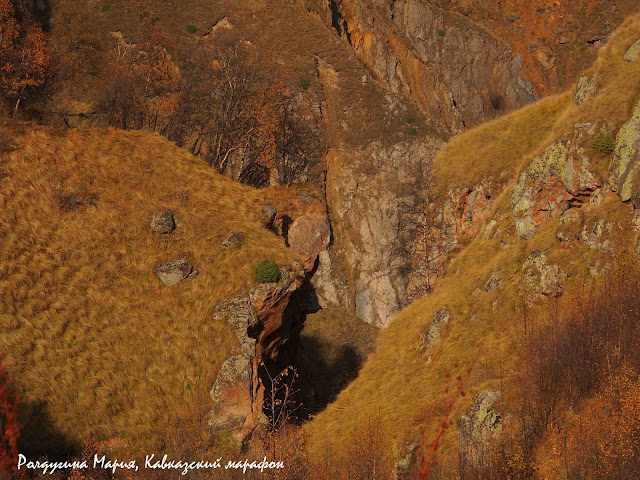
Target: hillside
96, 343
530, 210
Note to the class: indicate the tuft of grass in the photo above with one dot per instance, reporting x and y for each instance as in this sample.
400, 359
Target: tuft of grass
413, 131
409, 120
105, 7
267, 271
191, 29
604, 143
305, 83
441, 33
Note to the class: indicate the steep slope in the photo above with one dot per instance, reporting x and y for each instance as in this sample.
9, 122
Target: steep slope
466, 61
530, 208
97, 345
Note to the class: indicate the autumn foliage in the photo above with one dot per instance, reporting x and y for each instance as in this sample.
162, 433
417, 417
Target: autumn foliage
9, 426
24, 58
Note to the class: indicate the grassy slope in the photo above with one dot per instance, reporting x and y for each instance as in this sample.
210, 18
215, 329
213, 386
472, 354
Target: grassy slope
86, 326
396, 380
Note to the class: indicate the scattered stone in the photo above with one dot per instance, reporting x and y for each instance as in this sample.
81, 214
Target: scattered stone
269, 214
234, 238
473, 318
175, 271
163, 222
586, 88
493, 282
633, 52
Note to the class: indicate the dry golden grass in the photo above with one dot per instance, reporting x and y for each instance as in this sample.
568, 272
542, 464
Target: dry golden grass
396, 379
86, 325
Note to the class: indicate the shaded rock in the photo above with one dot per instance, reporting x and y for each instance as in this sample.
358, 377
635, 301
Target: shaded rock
268, 214
633, 52
234, 238
267, 324
624, 171
175, 271
163, 222
586, 88
434, 332
477, 428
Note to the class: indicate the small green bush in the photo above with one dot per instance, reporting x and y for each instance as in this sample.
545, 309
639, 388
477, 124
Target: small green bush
267, 271
191, 29
413, 131
604, 143
441, 32
105, 7
305, 83
409, 120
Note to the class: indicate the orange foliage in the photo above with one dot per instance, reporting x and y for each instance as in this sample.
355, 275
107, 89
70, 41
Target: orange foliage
23, 52
9, 426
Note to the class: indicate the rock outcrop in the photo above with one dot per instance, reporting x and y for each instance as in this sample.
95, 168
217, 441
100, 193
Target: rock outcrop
624, 171
365, 192
556, 180
477, 428
541, 278
453, 69
434, 332
633, 52
267, 324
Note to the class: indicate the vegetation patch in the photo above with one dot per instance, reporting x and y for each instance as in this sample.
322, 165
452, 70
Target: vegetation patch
105, 7
604, 144
305, 83
267, 271
191, 29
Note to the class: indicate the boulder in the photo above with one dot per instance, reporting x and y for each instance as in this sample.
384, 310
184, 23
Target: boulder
633, 52
163, 222
234, 238
175, 271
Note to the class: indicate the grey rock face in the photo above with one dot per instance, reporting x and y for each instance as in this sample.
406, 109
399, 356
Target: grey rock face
175, 271
163, 222
479, 425
633, 52
365, 191
234, 238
